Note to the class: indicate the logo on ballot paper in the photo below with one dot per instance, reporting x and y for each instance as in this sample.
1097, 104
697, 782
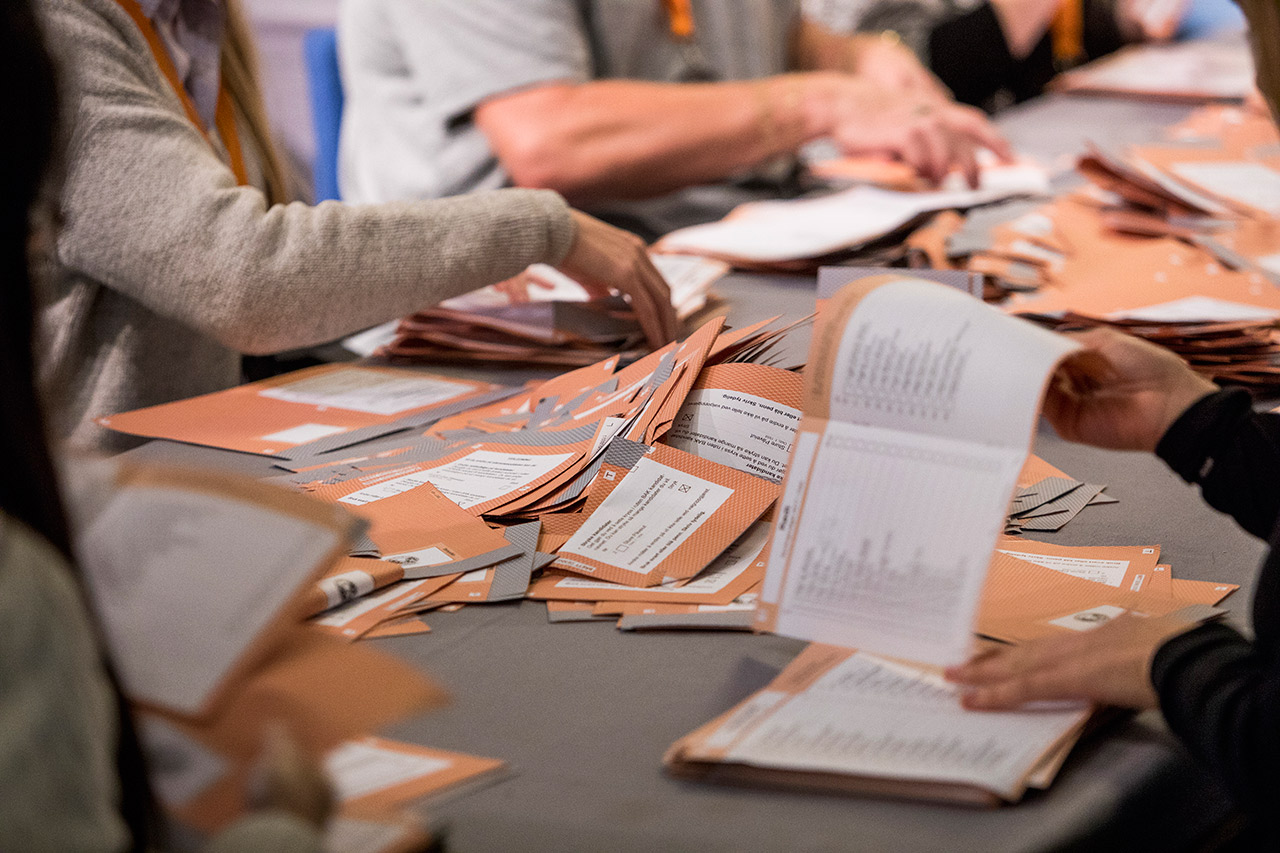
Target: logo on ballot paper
1087, 620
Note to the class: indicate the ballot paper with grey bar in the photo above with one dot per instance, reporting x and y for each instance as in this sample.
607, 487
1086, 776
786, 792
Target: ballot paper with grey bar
920, 404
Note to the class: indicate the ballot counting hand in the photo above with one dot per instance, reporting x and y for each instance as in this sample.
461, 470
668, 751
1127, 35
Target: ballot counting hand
541, 317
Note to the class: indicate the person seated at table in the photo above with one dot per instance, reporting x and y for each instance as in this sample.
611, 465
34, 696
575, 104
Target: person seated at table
992, 53
1219, 691
177, 252
72, 772
650, 114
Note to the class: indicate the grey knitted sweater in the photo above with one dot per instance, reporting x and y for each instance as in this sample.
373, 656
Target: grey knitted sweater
164, 271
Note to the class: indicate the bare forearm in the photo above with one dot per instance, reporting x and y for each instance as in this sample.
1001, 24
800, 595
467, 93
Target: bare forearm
815, 48
634, 139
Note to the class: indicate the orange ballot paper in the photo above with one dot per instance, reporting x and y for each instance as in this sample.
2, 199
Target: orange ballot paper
919, 406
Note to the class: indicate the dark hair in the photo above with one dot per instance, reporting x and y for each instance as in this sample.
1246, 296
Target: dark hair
28, 487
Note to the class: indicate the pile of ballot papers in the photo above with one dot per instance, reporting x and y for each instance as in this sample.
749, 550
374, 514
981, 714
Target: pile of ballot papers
633, 476
1176, 241
540, 317
1196, 70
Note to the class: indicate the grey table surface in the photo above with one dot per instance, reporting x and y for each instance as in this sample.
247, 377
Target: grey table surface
583, 712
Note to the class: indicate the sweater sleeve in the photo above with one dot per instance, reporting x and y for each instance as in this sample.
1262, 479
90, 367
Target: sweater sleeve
1221, 696
1234, 456
273, 831
151, 211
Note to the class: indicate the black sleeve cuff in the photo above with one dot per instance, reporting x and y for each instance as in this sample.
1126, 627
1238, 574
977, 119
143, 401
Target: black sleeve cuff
970, 55
1187, 447
1177, 655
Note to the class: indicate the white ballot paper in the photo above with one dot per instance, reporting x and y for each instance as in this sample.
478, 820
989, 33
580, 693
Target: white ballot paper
920, 403
772, 231
192, 572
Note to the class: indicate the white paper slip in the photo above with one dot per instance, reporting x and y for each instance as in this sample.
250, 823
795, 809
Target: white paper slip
654, 510
1250, 184
471, 480
1199, 309
372, 391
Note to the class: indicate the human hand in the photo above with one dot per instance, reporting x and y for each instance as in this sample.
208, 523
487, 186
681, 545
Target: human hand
1120, 392
1110, 665
288, 779
604, 258
517, 288
931, 135
882, 59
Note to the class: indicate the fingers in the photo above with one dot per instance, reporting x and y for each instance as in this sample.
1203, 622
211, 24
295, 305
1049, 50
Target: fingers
604, 258
974, 126
651, 300
1009, 678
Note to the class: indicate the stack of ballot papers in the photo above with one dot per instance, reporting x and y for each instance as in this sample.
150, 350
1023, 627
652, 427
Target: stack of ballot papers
847, 721
551, 320
885, 551
1200, 70
1012, 246
857, 223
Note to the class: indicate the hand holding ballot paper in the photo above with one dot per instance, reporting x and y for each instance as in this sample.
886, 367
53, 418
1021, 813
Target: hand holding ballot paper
919, 406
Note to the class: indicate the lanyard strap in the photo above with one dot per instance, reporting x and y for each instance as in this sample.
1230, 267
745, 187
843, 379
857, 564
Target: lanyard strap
1068, 33
680, 19
225, 118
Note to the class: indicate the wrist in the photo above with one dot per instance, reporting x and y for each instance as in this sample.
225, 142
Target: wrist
1181, 399
815, 96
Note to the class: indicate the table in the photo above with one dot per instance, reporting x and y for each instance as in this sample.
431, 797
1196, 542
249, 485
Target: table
583, 712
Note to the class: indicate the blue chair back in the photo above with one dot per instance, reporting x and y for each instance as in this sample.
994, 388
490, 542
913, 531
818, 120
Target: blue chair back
324, 83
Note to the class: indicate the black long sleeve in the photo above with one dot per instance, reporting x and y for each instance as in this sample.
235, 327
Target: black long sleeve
1219, 692
1233, 454
970, 55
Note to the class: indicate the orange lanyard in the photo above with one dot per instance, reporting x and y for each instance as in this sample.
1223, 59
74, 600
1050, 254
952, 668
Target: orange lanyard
225, 117
1068, 33
680, 19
